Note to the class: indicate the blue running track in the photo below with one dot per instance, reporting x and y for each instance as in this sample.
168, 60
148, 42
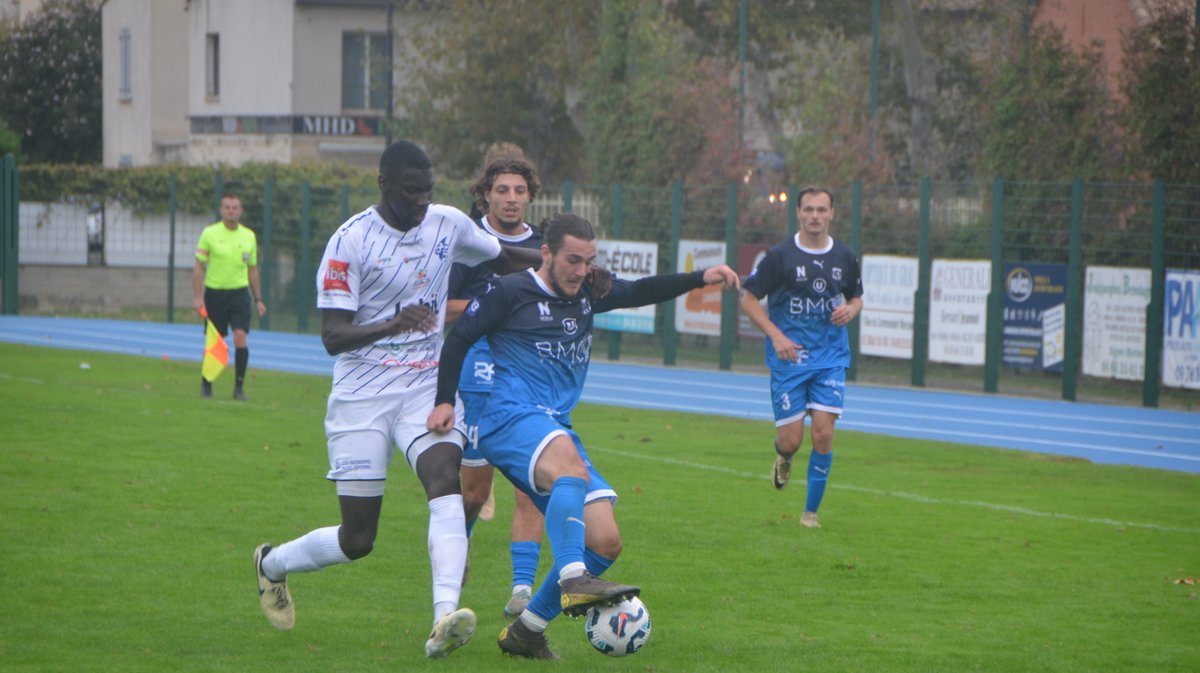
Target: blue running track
1100, 433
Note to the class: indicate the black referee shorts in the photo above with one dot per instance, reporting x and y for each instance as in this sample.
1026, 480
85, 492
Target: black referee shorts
228, 308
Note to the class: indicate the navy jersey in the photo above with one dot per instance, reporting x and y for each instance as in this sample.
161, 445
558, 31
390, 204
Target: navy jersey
542, 342
803, 287
468, 282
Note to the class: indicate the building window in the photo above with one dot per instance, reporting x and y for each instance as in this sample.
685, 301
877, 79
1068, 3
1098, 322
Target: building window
125, 58
212, 65
365, 71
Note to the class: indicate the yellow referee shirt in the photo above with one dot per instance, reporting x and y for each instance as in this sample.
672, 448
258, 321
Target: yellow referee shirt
227, 255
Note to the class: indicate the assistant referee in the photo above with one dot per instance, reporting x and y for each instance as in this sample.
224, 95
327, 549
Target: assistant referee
226, 264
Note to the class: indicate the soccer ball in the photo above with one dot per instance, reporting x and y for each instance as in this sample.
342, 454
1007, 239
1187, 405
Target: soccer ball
617, 630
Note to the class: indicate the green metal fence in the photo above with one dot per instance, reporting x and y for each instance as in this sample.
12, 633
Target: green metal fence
1148, 225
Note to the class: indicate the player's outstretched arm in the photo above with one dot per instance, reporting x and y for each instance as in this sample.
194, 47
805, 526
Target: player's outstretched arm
721, 273
339, 333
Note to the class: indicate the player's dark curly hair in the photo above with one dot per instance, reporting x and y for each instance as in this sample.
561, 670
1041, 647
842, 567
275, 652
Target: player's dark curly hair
516, 165
560, 225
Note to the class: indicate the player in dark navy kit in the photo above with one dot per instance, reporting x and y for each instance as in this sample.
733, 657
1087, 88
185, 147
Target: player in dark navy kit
502, 195
539, 325
813, 288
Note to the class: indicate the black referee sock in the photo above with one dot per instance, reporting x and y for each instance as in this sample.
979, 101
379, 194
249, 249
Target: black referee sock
240, 357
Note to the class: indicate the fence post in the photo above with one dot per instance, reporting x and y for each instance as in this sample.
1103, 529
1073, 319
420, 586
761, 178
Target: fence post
793, 219
729, 299
171, 201
218, 191
852, 330
10, 230
669, 335
995, 303
266, 266
618, 194
921, 301
1074, 327
302, 268
1152, 371
568, 196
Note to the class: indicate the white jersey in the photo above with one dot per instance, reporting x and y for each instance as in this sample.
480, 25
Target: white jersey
373, 269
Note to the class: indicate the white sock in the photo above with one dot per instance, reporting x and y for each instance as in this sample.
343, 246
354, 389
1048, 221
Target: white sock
318, 549
571, 570
447, 551
535, 623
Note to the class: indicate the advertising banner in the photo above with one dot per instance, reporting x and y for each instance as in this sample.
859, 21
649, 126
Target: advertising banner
748, 258
958, 310
628, 260
886, 323
699, 311
1030, 290
1114, 321
1181, 330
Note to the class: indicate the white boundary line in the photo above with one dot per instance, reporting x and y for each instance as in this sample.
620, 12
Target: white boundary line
910, 496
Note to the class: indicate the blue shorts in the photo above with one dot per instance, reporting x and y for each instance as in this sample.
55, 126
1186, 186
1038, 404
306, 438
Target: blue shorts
819, 389
513, 439
473, 406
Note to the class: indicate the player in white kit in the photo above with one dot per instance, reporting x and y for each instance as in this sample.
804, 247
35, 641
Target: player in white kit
382, 289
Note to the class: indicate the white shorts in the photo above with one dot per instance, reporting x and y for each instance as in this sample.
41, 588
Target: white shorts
364, 432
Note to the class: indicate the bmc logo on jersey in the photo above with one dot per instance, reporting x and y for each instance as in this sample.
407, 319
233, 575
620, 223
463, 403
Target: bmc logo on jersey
337, 278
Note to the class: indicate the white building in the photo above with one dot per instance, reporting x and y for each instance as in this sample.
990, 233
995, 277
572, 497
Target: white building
231, 81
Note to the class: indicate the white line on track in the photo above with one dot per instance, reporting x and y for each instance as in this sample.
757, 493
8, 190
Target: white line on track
909, 496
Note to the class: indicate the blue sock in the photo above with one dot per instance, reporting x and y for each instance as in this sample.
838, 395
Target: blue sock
818, 473
471, 525
564, 521
596, 564
525, 555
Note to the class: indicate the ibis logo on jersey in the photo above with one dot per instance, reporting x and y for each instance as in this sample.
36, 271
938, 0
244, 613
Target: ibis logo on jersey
570, 326
544, 311
442, 247
337, 276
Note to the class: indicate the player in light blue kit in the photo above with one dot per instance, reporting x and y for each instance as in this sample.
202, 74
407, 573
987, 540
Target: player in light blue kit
539, 325
813, 288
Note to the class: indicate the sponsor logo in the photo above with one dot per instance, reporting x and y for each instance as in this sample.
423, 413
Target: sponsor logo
819, 285
473, 308
544, 311
421, 279
820, 263
484, 371
419, 365
337, 276
442, 247
837, 273
586, 306
570, 326
801, 273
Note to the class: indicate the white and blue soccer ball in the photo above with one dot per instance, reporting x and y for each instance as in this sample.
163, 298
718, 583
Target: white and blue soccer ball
617, 630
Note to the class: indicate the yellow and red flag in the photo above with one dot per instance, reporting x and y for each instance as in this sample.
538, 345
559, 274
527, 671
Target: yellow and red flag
216, 353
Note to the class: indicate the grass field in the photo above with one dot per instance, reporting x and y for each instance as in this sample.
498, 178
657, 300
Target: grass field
131, 508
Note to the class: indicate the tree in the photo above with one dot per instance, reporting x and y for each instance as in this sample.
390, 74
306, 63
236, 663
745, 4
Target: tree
1162, 89
1046, 114
50, 82
504, 71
